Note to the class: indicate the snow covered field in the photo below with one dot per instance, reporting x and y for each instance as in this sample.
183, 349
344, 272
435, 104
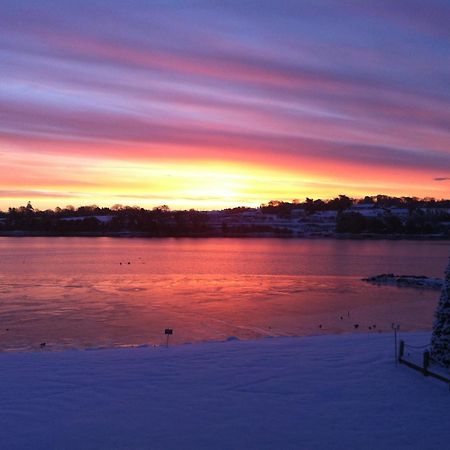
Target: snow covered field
325, 392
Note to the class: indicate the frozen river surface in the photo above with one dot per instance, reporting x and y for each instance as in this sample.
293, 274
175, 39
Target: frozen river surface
106, 292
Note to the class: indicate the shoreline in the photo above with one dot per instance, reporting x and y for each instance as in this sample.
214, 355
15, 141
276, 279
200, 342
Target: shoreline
49, 349
342, 236
149, 346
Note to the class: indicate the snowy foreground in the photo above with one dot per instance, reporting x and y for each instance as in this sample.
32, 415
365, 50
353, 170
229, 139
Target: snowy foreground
326, 392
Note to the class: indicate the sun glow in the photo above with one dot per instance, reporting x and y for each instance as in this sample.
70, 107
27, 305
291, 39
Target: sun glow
179, 183
203, 184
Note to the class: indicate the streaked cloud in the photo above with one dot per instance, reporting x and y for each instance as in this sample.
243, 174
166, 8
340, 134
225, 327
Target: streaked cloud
346, 95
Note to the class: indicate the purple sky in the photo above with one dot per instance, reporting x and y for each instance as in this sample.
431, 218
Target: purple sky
321, 97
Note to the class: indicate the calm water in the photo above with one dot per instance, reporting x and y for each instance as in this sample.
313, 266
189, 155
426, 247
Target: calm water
94, 292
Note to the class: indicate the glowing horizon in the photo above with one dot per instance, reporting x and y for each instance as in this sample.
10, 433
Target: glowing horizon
207, 107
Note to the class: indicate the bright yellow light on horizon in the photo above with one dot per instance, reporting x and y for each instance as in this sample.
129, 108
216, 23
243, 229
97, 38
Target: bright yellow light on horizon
49, 181
202, 185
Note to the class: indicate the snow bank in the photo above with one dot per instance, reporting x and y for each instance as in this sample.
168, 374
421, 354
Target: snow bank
325, 392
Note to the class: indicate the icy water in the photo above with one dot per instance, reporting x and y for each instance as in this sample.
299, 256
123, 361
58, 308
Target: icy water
103, 292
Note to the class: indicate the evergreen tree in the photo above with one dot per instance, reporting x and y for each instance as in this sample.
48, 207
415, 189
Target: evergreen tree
440, 340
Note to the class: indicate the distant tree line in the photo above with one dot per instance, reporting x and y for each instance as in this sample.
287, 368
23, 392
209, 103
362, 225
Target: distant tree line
159, 221
342, 202
310, 206
418, 222
423, 216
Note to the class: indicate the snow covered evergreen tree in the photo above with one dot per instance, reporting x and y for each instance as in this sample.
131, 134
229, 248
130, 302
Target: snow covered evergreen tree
440, 340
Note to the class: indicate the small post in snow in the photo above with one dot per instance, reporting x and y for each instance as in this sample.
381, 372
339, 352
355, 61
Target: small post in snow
395, 327
168, 332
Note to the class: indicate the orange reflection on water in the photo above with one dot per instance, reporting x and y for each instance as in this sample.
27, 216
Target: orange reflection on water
73, 292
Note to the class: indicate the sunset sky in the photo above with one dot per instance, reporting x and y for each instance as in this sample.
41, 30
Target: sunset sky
210, 104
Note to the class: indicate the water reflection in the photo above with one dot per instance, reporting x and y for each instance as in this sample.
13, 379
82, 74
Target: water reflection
75, 292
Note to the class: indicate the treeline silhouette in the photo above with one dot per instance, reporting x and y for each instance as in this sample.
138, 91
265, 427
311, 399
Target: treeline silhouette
342, 203
424, 216
399, 215
159, 221
418, 222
